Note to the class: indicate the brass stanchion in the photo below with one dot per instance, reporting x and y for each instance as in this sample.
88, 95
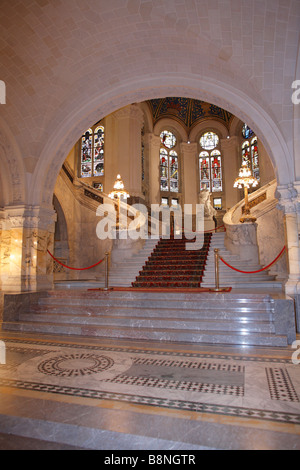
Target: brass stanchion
217, 287
106, 271
217, 283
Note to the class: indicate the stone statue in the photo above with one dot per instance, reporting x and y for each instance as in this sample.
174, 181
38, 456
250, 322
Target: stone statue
204, 198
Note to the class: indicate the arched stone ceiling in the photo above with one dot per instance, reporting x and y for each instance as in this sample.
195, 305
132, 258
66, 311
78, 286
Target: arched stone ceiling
187, 111
67, 63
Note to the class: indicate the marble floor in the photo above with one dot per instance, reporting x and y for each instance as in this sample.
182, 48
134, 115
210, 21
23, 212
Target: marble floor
65, 392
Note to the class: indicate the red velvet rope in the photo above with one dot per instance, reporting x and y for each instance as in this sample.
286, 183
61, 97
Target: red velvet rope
214, 229
211, 230
259, 270
75, 269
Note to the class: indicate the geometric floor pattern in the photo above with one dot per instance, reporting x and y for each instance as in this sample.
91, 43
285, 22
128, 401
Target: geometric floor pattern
241, 388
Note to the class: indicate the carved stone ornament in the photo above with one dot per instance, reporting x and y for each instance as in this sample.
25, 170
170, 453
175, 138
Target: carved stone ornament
287, 199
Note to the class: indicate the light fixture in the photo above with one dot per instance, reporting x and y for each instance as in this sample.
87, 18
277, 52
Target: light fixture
119, 192
246, 180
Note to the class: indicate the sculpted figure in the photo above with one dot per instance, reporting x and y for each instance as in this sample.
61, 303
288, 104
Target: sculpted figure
204, 198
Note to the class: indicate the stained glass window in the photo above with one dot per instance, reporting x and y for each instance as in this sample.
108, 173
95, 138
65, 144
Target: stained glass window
204, 171
92, 152
209, 140
86, 153
210, 163
254, 158
164, 183
169, 164
250, 151
168, 139
247, 132
98, 186
246, 153
99, 151
216, 171
173, 165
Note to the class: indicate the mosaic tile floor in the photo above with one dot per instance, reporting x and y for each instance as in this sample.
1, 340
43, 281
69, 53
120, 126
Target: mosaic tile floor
99, 394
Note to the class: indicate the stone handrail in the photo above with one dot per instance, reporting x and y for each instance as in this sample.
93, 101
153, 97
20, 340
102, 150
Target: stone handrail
241, 238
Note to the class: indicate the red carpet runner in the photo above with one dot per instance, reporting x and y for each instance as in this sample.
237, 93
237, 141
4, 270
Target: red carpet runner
171, 265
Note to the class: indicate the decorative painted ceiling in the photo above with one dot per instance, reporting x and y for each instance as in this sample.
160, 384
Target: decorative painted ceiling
187, 111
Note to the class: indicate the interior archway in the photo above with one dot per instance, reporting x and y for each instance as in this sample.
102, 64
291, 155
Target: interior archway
218, 93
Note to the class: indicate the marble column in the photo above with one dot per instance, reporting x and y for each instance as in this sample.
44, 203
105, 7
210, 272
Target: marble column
190, 173
129, 148
152, 146
289, 204
231, 162
26, 234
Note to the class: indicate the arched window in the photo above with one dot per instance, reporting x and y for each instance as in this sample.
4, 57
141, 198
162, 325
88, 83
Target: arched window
247, 132
254, 158
209, 140
92, 152
246, 153
169, 165
250, 151
210, 163
86, 153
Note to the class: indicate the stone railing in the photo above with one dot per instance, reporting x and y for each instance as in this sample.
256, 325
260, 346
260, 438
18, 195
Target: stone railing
253, 241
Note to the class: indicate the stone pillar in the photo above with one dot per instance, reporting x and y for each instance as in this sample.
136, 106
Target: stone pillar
129, 148
190, 173
26, 234
152, 146
231, 162
288, 203
111, 168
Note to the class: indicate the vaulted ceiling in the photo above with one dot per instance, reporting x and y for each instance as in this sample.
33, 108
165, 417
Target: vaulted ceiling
187, 111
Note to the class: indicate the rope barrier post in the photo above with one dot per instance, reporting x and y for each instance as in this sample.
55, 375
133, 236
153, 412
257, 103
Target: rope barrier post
216, 251
106, 271
217, 287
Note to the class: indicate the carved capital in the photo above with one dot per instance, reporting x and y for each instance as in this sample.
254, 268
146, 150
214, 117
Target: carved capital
153, 141
189, 149
287, 198
230, 144
33, 217
132, 111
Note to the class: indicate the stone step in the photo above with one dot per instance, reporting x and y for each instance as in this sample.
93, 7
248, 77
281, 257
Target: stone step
242, 277
228, 277
232, 313
229, 318
205, 298
153, 323
181, 335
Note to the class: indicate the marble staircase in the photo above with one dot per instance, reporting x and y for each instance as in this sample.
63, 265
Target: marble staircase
123, 274
198, 317
171, 265
230, 278
120, 275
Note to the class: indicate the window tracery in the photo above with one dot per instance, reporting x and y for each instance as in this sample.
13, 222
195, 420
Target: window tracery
250, 154
169, 164
210, 163
92, 152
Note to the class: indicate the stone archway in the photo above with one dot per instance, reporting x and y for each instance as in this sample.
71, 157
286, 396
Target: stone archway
233, 100
70, 128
